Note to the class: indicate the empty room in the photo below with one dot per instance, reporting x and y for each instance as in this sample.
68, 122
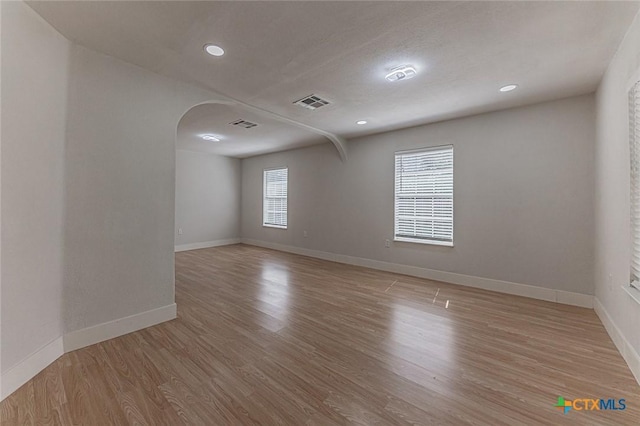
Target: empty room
319, 213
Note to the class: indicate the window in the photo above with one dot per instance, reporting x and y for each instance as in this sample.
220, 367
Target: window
634, 143
424, 196
274, 198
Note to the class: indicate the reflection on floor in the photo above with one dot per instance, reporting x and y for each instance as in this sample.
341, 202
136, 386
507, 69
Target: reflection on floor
273, 338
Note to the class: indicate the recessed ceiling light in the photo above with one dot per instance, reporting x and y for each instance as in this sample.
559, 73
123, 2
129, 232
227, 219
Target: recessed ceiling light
508, 87
213, 50
403, 72
210, 138
361, 122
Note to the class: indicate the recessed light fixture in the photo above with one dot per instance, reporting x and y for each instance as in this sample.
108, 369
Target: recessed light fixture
403, 72
508, 87
361, 122
210, 138
213, 50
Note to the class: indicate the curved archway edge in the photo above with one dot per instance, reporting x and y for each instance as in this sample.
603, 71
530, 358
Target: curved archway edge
338, 142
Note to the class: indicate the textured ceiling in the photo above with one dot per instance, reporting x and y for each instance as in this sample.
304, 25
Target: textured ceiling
278, 52
270, 135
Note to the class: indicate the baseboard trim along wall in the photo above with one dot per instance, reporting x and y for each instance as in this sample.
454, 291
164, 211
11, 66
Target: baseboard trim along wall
108, 330
39, 360
24, 371
207, 244
624, 347
525, 290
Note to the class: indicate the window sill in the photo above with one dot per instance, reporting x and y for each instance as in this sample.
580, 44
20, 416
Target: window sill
633, 292
273, 226
428, 242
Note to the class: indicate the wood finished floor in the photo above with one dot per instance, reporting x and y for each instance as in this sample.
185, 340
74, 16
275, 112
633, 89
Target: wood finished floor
264, 337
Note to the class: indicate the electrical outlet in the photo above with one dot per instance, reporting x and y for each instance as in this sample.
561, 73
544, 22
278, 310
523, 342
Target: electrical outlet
387, 243
179, 231
304, 234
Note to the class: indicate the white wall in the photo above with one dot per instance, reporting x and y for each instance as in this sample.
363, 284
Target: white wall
612, 197
523, 196
35, 73
207, 197
0, 205
87, 196
120, 188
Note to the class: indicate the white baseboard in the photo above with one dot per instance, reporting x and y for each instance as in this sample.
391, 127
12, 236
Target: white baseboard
574, 299
525, 290
39, 360
119, 327
24, 371
207, 244
624, 347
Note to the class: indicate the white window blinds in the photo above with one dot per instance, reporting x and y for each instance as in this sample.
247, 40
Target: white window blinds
424, 196
274, 204
634, 142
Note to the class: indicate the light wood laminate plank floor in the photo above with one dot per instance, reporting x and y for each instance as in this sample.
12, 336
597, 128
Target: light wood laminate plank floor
265, 337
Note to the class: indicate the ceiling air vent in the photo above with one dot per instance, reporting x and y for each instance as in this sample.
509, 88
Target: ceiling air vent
312, 102
243, 123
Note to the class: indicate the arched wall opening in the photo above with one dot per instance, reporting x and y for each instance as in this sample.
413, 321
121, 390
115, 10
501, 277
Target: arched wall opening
212, 138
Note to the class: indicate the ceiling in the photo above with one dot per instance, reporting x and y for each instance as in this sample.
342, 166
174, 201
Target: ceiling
278, 52
234, 141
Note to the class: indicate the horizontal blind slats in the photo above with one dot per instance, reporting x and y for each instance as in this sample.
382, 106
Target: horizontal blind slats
275, 190
424, 194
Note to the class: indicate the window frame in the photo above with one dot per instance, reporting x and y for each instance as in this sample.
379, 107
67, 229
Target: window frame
425, 241
264, 198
